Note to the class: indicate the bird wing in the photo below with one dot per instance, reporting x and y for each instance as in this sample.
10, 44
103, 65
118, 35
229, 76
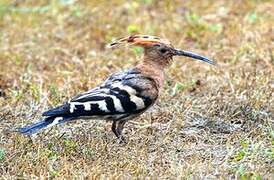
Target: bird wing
122, 94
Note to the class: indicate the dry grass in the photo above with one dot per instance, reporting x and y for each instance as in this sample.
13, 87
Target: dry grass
213, 122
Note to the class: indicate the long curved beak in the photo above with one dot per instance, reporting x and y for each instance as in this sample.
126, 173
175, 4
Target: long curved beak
193, 55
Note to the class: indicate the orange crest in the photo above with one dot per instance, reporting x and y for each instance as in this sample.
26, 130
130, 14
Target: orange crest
140, 40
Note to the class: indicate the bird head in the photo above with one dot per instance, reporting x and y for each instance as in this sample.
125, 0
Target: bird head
158, 50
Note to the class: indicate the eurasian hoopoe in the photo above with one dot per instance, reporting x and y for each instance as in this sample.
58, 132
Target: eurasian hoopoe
124, 95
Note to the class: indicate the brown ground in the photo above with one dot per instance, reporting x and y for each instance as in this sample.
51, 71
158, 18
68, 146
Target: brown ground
213, 122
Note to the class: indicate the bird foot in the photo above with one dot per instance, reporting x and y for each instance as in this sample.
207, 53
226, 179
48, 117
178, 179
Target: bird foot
121, 140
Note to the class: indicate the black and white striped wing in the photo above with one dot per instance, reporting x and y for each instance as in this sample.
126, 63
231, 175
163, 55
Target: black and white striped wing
122, 95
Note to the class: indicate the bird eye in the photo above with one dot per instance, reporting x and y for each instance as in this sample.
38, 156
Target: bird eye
163, 50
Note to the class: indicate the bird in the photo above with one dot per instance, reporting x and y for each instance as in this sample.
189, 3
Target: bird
124, 95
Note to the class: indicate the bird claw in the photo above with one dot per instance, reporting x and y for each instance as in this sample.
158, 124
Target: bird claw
121, 140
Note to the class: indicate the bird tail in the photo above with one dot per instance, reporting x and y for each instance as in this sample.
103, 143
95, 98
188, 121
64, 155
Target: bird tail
44, 124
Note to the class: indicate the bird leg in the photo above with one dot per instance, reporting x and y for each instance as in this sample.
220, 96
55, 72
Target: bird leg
119, 131
113, 128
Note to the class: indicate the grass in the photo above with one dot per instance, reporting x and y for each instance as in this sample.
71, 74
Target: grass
211, 122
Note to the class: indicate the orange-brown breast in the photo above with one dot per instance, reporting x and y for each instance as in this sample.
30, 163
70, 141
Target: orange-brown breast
155, 72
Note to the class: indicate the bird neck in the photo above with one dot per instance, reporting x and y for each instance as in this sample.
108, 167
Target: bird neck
152, 69
153, 63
